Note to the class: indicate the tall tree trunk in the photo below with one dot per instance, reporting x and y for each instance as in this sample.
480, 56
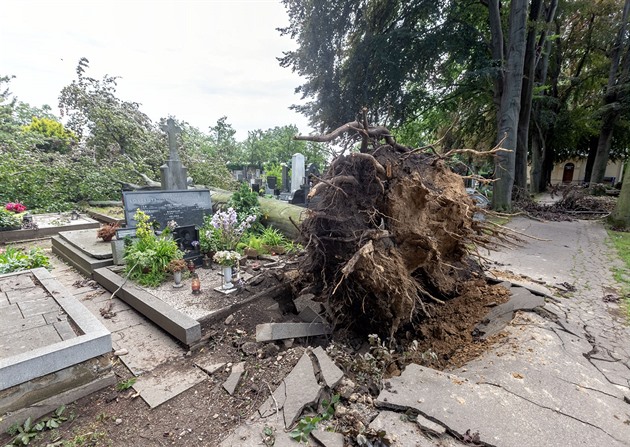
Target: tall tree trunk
497, 46
592, 150
510, 108
621, 216
612, 96
538, 155
533, 60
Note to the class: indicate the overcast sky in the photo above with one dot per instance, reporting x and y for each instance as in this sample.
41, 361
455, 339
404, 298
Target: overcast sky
195, 60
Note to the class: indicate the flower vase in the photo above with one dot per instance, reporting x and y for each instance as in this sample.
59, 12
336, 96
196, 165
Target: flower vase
227, 277
177, 276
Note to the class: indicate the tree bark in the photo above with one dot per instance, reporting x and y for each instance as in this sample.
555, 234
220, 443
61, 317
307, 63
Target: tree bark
497, 49
538, 155
510, 108
612, 96
621, 215
527, 93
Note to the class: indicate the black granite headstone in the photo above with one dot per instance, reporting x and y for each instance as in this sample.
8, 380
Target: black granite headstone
186, 207
272, 182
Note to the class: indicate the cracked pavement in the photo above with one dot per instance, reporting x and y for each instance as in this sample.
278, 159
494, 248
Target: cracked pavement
561, 376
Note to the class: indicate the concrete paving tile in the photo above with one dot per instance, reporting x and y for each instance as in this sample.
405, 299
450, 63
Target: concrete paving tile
64, 330
160, 386
4, 301
54, 317
148, 347
27, 340
15, 282
9, 314
302, 390
30, 294
38, 307
21, 324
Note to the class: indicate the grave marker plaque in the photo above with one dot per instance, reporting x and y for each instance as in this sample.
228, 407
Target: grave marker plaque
186, 207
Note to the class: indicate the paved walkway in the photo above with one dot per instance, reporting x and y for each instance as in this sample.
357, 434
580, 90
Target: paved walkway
561, 377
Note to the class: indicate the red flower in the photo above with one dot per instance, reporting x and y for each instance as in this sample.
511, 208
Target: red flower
16, 207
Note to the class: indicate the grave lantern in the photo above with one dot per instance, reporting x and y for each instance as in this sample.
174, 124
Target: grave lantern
196, 284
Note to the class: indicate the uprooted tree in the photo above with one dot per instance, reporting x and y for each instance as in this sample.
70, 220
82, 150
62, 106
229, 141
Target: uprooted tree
391, 233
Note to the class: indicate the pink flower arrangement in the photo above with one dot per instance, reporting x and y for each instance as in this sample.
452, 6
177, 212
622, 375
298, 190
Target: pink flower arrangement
16, 207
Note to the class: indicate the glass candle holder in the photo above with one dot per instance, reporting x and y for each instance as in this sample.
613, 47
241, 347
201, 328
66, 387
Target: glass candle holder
195, 284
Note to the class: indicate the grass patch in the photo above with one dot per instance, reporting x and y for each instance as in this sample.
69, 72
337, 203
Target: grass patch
621, 274
111, 211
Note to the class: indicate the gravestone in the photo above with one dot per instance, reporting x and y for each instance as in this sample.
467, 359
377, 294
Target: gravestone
187, 207
297, 172
173, 173
271, 182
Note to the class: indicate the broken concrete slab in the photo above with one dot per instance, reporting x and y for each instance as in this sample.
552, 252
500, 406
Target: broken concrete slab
165, 383
148, 347
298, 390
209, 364
328, 438
501, 315
308, 315
281, 331
306, 300
234, 378
331, 374
400, 431
501, 417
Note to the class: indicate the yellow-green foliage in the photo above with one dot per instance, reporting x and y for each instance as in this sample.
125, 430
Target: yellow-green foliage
55, 136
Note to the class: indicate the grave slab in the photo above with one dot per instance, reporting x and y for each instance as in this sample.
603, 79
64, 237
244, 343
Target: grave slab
88, 243
39, 359
165, 383
281, 331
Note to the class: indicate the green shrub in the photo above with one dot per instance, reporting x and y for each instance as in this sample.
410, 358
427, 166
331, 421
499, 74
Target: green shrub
9, 219
149, 255
245, 203
15, 260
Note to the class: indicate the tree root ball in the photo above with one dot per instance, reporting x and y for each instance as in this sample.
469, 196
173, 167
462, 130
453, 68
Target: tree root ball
387, 233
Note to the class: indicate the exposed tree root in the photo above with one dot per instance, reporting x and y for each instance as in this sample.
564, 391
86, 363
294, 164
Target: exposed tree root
391, 231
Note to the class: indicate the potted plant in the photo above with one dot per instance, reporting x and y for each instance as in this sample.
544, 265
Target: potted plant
108, 231
176, 267
227, 259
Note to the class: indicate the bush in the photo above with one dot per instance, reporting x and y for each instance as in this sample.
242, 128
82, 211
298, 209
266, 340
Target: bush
149, 255
15, 260
9, 220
